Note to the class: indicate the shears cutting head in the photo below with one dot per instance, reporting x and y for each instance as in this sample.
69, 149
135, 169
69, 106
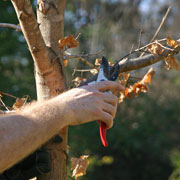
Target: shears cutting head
107, 71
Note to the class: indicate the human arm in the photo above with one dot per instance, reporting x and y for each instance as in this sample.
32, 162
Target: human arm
23, 132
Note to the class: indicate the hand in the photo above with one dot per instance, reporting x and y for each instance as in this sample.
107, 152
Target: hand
92, 102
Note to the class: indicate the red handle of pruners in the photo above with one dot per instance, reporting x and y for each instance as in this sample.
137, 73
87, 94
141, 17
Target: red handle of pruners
102, 130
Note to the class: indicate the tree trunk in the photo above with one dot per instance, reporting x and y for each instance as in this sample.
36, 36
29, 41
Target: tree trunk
42, 40
50, 16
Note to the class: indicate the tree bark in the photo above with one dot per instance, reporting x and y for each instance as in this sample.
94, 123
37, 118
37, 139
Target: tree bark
50, 15
42, 40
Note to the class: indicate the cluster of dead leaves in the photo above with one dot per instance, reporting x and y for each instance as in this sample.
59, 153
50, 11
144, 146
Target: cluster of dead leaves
67, 42
136, 88
155, 48
19, 103
170, 61
79, 166
78, 80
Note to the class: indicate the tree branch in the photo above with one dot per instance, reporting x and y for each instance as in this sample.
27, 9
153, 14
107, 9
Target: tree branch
159, 28
18, 28
32, 34
137, 63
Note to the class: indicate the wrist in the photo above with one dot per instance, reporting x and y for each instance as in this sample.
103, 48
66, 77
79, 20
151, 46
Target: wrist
64, 110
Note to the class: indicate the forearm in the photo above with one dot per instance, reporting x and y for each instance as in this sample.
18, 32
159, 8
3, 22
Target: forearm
23, 132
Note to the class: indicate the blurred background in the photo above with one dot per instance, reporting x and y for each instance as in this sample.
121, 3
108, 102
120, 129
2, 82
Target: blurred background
144, 143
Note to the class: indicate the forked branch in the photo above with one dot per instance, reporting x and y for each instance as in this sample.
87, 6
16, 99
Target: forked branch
32, 33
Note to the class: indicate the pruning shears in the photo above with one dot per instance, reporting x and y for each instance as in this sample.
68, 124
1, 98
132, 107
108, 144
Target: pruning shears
106, 72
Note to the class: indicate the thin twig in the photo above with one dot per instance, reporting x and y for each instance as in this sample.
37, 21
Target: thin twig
74, 72
70, 56
4, 104
84, 70
139, 41
8, 95
131, 49
87, 62
18, 28
78, 36
71, 177
1, 105
159, 28
140, 49
164, 47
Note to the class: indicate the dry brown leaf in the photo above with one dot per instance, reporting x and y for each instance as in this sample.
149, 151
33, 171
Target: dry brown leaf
98, 62
172, 63
140, 86
79, 165
93, 71
147, 78
111, 64
69, 41
19, 103
123, 77
65, 62
77, 81
121, 97
155, 49
172, 42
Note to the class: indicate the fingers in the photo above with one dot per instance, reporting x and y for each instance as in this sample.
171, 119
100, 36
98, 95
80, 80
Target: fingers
110, 98
108, 86
107, 119
109, 109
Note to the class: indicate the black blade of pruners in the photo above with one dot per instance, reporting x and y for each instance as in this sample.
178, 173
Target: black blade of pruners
110, 72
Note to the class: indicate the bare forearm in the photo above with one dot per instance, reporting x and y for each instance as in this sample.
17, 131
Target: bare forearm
25, 131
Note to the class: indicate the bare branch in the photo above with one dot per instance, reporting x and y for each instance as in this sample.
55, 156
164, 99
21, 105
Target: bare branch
18, 28
159, 28
4, 104
78, 36
74, 72
32, 33
141, 49
161, 24
137, 63
87, 62
139, 41
70, 56
8, 95
84, 70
